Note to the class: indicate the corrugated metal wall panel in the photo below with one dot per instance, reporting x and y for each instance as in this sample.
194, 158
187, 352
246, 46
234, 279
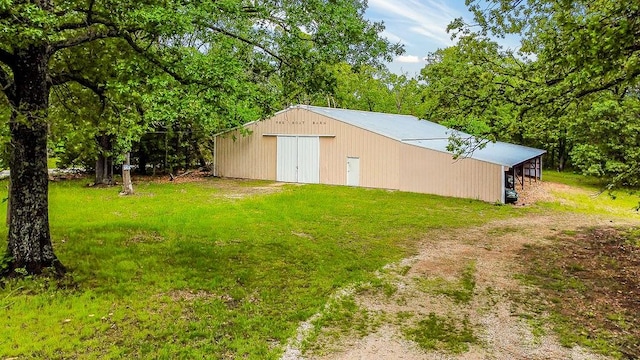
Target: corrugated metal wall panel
255, 156
378, 156
384, 163
428, 171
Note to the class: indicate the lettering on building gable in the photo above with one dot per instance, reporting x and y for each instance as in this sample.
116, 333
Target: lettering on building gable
284, 122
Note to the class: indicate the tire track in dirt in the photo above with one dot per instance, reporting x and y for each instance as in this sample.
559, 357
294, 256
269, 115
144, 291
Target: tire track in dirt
501, 332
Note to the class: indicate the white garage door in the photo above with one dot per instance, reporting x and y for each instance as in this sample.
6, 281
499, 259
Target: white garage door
287, 155
298, 159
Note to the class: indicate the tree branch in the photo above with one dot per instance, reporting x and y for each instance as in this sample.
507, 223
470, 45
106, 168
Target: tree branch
97, 89
571, 94
113, 32
63, 100
250, 42
5, 79
606, 85
84, 38
157, 62
6, 84
88, 20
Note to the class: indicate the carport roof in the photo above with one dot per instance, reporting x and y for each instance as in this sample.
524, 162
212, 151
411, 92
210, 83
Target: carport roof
426, 134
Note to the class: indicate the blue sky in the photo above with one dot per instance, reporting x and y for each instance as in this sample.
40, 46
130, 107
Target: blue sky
421, 25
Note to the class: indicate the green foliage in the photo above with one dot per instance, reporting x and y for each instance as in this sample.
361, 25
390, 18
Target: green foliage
591, 197
612, 127
212, 268
373, 89
118, 69
470, 88
571, 87
584, 281
442, 333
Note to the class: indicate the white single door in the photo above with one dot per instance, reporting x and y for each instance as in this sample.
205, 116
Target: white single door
309, 159
287, 159
353, 171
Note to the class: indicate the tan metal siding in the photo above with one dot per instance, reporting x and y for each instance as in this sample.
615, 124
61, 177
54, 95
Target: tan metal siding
249, 157
379, 167
427, 171
384, 162
254, 156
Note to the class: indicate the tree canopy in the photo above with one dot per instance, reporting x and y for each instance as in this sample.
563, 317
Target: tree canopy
571, 87
113, 62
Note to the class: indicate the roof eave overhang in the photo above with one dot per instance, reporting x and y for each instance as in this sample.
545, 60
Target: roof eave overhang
527, 160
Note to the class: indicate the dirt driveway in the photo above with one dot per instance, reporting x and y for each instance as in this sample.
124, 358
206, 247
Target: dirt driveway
419, 290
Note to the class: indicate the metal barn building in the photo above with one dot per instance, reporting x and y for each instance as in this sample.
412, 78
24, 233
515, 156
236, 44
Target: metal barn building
308, 144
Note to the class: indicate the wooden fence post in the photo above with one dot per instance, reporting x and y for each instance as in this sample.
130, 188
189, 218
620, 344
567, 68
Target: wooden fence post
127, 186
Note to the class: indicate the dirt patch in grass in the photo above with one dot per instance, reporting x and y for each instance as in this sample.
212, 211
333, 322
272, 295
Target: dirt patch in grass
229, 188
188, 296
419, 296
590, 279
182, 177
138, 237
240, 188
542, 191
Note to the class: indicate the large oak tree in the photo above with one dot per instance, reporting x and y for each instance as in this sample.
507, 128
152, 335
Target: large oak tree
214, 47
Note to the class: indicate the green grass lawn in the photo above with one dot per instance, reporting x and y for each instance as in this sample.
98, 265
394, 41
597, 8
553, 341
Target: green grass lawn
187, 271
52, 163
573, 179
591, 197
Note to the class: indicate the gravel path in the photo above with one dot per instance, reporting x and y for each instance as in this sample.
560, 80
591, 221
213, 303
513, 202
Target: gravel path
495, 317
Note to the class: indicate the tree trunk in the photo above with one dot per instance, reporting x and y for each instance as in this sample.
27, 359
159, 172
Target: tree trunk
562, 152
201, 161
177, 152
127, 186
187, 152
142, 162
29, 241
9, 202
104, 163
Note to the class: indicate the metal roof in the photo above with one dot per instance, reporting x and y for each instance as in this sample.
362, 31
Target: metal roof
426, 134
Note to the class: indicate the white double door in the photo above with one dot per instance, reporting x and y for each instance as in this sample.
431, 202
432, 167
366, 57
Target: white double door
298, 159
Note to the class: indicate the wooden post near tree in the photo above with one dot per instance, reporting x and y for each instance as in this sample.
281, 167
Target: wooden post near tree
127, 186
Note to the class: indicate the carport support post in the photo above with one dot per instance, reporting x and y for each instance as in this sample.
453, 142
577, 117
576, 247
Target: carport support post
503, 182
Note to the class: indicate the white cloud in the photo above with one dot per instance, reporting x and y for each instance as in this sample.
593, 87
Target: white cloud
421, 25
428, 18
411, 59
393, 37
